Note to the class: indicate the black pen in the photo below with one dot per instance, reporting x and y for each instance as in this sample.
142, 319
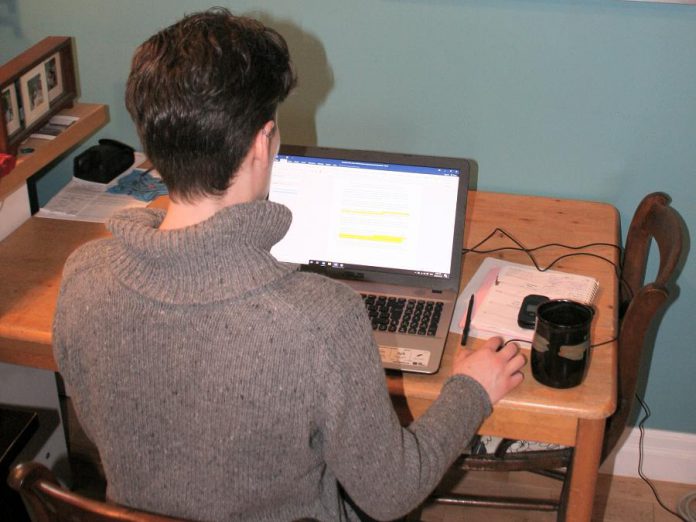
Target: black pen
467, 323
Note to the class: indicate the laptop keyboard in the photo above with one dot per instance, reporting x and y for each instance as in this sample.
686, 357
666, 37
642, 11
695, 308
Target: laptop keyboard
398, 314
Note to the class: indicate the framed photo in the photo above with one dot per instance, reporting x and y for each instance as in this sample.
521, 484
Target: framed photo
10, 110
35, 85
54, 77
34, 89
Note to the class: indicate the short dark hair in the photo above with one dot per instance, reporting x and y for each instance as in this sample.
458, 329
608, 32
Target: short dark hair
200, 90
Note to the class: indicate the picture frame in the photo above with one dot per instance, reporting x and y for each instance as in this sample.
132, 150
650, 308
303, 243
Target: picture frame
10, 109
43, 80
54, 77
34, 88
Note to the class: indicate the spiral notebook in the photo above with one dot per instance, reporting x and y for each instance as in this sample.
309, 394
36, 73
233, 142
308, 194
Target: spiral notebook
500, 287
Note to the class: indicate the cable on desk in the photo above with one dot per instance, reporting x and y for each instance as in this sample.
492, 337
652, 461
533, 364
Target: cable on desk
529, 251
618, 269
516, 341
595, 345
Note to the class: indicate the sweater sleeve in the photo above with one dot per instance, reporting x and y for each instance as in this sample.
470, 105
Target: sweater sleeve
68, 322
386, 469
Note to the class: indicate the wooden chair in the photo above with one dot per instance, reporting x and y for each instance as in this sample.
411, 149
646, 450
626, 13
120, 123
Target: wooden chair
639, 305
47, 501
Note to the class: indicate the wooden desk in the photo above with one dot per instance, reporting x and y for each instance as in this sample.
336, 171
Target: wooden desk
32, 257
573, 417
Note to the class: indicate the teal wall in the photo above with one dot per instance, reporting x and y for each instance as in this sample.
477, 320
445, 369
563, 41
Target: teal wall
588, 99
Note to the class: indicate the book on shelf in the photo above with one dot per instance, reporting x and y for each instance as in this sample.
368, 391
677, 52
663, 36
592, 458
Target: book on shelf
55, 126
499, 287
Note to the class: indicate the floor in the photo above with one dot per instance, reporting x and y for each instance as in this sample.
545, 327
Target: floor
618, 499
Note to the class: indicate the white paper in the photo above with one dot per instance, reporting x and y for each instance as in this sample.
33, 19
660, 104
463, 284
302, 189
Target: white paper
474, 283
82, 200
55, 126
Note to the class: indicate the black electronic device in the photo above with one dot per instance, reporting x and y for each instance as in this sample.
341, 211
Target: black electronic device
103, 162
527, 314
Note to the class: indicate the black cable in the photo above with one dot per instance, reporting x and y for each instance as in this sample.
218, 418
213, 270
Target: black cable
595, 345
521, 248
646, 410
534, 249
618, 269
516, 341
530, 342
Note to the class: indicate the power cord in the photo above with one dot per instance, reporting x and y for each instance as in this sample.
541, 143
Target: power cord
595, 345
685, 512
530, 253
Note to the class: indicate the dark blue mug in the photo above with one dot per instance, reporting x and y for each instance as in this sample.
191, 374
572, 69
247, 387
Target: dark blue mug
561, 344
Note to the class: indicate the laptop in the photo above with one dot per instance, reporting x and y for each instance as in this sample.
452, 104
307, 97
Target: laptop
388, 225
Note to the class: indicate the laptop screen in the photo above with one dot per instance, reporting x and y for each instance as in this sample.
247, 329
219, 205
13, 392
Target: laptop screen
365, 212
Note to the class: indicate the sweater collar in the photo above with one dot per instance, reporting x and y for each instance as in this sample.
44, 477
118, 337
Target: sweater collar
220, 258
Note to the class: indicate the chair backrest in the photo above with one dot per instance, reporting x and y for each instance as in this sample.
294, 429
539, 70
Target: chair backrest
640, 302
653, 219
47, 501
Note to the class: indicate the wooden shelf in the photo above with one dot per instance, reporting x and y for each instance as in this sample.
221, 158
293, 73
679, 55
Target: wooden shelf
92, 118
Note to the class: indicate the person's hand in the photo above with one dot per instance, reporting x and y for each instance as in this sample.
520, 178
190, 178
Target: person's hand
497, 371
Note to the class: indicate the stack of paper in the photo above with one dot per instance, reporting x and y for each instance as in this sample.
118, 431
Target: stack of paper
54, 127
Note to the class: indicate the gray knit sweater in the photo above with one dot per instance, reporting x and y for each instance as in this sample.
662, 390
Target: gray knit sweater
220, 384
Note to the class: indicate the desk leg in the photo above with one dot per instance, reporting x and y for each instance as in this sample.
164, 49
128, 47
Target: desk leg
588, 450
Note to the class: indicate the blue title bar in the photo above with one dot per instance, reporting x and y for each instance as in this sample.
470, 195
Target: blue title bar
393, 167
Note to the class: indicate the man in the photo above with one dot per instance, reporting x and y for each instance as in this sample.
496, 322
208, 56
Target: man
218, 383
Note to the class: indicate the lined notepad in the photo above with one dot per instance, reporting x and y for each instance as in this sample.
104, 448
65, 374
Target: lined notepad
502, 288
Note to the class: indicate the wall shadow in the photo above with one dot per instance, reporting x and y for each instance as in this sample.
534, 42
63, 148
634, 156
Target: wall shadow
297, 115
